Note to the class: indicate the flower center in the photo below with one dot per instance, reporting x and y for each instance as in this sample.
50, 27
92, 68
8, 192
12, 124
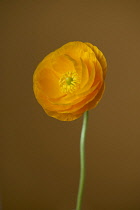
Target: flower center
69, 82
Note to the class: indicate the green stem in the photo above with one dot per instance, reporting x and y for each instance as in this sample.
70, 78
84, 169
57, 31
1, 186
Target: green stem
82, 162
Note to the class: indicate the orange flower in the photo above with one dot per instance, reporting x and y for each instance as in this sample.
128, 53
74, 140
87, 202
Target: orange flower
70, 80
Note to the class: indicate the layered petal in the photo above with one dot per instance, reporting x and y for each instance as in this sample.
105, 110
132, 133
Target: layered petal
70, 80
99, 55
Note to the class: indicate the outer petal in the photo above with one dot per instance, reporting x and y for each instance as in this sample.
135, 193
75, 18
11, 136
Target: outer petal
96, 100
77, 114
74, 49
99, 56
63, 116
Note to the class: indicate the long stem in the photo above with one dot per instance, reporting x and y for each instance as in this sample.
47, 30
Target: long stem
82, 161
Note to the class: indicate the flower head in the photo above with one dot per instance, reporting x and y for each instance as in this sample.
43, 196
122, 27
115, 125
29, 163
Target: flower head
70, 80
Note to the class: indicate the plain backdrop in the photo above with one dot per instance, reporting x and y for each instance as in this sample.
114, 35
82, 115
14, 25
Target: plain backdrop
39, 155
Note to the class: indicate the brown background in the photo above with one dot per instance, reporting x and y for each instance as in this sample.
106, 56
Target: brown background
40, 155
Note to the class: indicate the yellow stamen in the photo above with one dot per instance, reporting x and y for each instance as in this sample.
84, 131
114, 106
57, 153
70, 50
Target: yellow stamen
69, 82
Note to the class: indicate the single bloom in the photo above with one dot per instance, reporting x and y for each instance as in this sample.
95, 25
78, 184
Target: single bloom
70, 80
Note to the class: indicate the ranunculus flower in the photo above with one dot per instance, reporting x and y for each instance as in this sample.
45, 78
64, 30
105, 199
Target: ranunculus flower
70, 80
